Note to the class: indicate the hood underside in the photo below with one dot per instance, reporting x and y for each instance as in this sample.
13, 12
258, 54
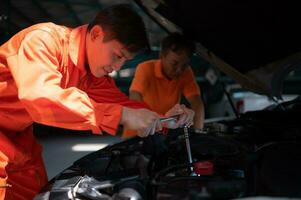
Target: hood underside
257, 43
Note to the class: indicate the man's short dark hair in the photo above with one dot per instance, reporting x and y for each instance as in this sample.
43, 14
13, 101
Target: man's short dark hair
177, 42
122, 23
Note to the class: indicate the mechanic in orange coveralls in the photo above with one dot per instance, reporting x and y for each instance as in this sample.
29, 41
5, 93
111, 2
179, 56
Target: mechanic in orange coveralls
58, 76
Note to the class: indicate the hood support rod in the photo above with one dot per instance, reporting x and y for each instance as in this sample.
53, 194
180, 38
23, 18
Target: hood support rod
230, 100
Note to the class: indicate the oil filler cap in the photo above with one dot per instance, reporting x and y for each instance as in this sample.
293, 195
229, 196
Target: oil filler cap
203, 168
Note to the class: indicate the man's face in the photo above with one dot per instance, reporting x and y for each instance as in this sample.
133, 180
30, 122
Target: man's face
174, 63
104, 57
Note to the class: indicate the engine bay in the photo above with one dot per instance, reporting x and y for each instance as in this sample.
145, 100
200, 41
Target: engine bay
258, 154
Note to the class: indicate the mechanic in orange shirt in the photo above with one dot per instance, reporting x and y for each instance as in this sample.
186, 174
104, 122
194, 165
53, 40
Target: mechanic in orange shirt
58, 76
161, 83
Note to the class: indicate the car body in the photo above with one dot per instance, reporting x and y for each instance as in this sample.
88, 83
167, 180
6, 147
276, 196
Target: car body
255, 155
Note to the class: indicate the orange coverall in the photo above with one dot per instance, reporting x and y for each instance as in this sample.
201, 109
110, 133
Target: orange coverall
43, 79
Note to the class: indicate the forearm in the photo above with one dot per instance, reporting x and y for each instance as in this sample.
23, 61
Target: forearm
197, 106
198, 118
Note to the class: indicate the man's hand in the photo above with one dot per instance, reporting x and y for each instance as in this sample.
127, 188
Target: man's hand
144, 121
186, 116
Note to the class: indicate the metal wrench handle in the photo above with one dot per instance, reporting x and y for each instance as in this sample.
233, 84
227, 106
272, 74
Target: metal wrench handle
186, 136
167, 119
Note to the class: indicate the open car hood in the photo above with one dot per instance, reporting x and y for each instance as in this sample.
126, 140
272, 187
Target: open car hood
257, 43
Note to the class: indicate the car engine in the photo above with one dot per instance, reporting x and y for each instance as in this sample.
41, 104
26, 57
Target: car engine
257, 154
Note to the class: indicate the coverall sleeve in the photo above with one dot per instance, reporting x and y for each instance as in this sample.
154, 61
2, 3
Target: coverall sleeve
35, 70
104, 90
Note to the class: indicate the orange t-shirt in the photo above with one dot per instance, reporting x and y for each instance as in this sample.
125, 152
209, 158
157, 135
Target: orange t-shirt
157, 91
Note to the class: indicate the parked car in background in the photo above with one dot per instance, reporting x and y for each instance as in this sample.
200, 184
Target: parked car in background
243, 101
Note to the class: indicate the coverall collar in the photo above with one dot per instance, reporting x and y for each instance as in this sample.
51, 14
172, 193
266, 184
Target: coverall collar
77, 46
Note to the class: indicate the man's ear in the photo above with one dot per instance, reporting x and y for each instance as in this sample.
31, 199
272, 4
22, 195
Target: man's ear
96, 32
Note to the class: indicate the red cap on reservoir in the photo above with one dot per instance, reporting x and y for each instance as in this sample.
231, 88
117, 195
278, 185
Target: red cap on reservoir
203, 168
